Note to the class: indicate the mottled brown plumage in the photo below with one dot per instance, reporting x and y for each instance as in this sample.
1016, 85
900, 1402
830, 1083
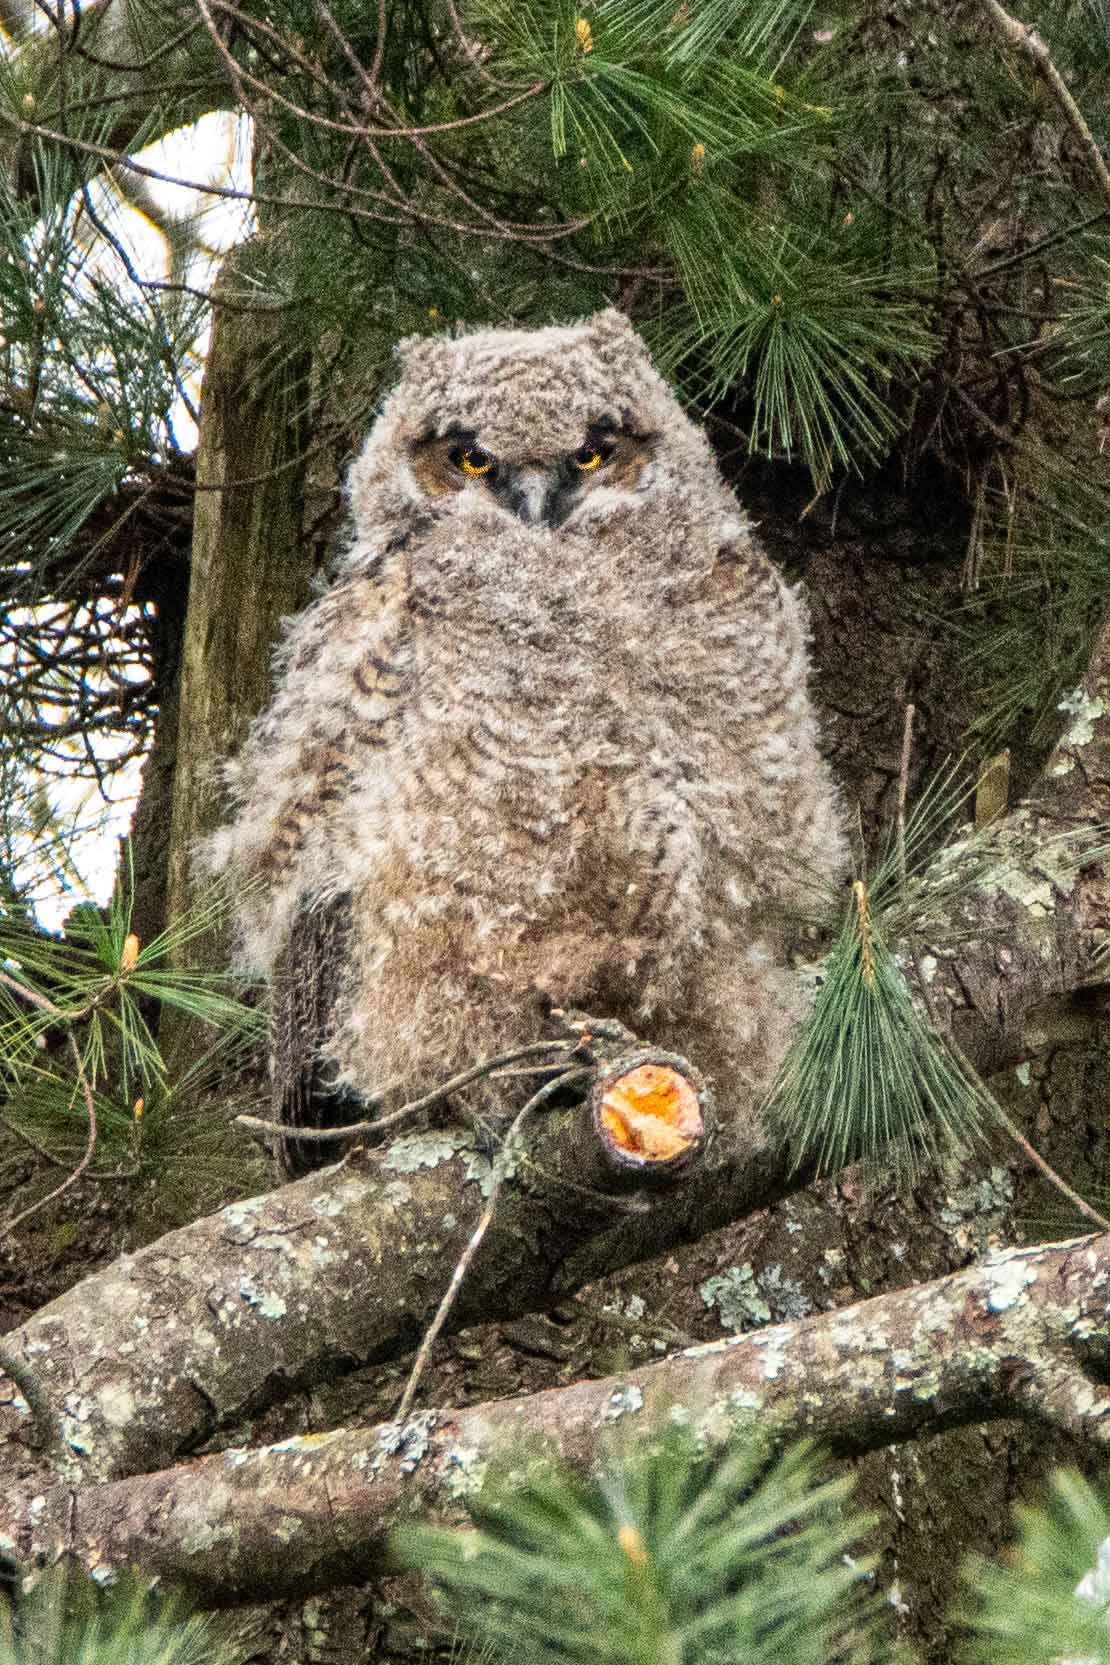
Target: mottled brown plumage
546, 740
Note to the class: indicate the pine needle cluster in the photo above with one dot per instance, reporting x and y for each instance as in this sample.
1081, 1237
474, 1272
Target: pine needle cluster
67, 1619
869, 1077
1049, 1601
680, 1552
81, 1070
676, 1553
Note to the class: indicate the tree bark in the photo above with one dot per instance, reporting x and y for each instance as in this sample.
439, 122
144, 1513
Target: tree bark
1024, 1334
250, 567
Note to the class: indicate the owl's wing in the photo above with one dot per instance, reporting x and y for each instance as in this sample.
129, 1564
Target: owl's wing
342, 683
307, 982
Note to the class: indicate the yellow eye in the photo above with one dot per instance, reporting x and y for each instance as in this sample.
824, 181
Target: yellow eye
473, 461
589, 457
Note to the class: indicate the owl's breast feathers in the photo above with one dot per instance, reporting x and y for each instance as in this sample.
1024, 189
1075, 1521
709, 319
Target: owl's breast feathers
531, 702
591, 648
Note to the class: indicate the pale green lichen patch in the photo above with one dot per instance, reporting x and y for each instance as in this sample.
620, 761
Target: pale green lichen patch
976, 1210
407, 1441
239, 1218
479, 1171
1006, 1280
623, 1401
236, 1212
1085, 1402
214, 1523
117, 1405
744, 1399
464, 1470
328, 1205
787, 1297
424, 1150
266, 1302
397, 1193
1022, 1073
736, 1296
1085, 713
1030, 889
773, 1343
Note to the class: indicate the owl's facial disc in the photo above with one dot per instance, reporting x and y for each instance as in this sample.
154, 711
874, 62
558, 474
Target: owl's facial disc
540, 490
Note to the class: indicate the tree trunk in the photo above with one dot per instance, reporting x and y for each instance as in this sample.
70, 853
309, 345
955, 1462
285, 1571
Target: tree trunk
250, 567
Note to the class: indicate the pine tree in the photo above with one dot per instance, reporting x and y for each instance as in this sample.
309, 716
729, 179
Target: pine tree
866, 241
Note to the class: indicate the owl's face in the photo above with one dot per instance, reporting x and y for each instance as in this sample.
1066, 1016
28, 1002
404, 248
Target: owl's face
561, 430
541, 487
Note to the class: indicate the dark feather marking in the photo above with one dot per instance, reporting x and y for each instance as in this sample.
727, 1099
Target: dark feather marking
308, 980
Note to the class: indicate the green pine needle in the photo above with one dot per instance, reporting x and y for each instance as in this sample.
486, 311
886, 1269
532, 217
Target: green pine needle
67, 1619
1049, 1602
868, 1076
674, 1554
100, 983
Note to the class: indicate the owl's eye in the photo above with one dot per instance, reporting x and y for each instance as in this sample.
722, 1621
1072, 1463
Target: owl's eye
589, 457
472, 460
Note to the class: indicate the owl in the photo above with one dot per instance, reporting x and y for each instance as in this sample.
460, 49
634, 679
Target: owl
545, 741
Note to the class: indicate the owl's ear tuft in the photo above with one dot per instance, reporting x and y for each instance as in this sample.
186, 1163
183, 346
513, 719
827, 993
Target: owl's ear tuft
612, 333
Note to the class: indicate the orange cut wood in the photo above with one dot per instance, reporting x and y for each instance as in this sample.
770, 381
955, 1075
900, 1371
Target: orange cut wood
652, 1112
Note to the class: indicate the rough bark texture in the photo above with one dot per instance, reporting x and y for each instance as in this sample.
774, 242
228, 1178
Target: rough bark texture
1025, 1333
250, 567
147, 1359
335, 1270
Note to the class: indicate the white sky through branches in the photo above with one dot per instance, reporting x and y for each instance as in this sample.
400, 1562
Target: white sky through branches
79, 803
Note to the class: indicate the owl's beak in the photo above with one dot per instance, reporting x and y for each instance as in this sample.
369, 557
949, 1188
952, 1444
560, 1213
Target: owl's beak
528, 495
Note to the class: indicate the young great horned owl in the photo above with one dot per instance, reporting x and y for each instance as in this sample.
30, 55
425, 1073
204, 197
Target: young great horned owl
546, 740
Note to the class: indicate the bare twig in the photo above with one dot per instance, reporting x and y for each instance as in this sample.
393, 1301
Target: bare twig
30, 1386
988, 1099
501, 1165
1024, 1146
383, 1124
1024, 37
240, 75
903, 788
87, 1155
44, 1005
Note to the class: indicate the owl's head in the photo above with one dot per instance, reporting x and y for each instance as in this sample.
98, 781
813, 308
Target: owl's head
558, 428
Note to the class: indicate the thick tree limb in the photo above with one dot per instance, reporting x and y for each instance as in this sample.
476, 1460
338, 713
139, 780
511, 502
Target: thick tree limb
1024, 1334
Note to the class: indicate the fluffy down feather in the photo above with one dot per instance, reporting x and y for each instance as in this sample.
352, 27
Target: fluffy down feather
571, 764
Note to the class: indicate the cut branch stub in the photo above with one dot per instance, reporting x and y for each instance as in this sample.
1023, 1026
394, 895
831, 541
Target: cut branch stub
652, 1114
